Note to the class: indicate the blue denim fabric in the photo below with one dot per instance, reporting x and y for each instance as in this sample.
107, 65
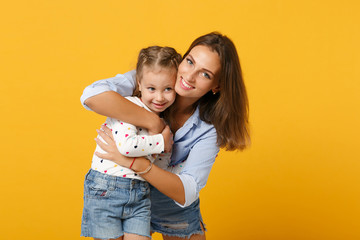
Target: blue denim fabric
170, 219
114, 205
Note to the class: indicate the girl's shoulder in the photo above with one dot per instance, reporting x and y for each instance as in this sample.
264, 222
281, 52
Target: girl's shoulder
137, 101
134, 99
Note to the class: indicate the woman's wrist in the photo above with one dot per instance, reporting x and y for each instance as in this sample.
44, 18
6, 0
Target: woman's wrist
146, 170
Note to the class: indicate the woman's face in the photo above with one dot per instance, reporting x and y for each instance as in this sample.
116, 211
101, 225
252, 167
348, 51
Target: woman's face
198, 73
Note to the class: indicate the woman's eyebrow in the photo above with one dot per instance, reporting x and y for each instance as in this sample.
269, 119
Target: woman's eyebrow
207, 70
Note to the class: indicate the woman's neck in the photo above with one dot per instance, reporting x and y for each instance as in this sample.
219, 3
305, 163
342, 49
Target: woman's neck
184, 106
183, 109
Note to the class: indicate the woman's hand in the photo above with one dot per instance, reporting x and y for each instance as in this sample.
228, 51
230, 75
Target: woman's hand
157, 125
168, 138
112, 152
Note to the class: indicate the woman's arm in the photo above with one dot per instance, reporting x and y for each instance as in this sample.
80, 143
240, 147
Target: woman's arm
106, 97
112, 104
184, 188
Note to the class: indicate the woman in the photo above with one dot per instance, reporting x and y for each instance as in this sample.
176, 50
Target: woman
210, 111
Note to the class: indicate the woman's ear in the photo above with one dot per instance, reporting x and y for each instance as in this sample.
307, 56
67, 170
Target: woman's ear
215, 90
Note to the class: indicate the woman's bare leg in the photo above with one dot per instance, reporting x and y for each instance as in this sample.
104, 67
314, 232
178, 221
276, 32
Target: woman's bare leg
193, 237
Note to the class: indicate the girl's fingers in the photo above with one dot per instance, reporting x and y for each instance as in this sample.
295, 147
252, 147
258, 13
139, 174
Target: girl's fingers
107, 130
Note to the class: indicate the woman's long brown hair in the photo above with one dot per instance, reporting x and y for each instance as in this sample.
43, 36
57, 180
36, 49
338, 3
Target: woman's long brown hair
227, 110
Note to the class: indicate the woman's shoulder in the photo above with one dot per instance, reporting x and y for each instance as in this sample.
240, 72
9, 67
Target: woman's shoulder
130, 75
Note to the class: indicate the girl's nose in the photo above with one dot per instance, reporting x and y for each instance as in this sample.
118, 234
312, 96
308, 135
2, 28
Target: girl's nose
159, 97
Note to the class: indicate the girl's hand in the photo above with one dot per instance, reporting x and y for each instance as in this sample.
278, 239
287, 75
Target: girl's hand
112, 152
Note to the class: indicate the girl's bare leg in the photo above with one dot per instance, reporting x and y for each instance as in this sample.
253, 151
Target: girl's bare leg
120, 238
129, 236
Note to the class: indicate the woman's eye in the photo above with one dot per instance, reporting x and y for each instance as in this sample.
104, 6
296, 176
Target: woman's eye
206, 75
189, 61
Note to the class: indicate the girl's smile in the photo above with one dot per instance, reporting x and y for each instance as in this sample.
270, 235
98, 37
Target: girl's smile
157, 88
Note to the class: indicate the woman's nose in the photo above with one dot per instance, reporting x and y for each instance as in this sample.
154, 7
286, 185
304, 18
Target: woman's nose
190, 76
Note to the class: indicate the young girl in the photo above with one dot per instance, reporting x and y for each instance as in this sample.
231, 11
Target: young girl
210, 111
116, 198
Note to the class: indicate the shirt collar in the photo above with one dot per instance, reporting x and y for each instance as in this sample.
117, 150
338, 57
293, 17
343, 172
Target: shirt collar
193, 121
195, 117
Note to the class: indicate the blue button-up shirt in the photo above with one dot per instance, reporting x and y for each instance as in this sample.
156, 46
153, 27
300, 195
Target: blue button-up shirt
195, 146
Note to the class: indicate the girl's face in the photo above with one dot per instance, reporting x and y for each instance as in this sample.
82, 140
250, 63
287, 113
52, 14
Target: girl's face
157, 87
198, 73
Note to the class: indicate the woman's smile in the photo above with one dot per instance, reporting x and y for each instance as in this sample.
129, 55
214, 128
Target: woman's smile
185, 85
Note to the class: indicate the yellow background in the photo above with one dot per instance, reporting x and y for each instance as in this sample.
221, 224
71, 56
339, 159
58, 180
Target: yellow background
298, 181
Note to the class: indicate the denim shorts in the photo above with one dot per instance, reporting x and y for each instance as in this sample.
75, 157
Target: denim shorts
114, 206
170, 219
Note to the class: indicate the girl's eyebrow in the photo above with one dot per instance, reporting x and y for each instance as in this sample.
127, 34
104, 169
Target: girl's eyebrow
207, 70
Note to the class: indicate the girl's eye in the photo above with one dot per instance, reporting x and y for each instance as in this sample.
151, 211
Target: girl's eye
189, 61
168, 89
151, 89
206, 75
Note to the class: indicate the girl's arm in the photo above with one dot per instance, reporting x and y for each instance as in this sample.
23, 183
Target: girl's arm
166, 182
105, 97
183, 188
131, 143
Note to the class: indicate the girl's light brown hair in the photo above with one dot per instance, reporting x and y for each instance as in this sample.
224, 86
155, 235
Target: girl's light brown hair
227, 110
155, 56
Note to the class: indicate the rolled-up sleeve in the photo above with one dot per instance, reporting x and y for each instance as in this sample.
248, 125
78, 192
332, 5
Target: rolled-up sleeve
124, 84
198, 166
